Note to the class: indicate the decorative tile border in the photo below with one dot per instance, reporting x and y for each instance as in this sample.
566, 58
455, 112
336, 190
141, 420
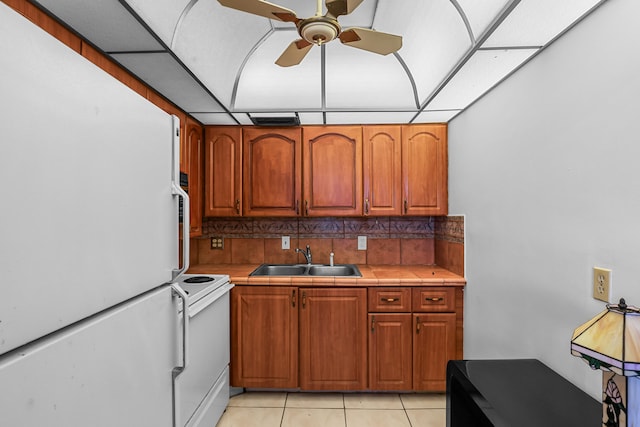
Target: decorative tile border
450, 228
443, 228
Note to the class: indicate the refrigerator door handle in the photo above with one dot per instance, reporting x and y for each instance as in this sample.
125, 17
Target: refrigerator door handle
185, 329
176, 190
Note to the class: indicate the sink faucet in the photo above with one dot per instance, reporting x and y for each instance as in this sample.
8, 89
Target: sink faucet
307, 253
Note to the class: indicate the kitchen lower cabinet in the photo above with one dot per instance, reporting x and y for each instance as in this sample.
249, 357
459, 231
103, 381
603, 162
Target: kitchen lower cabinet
390, 351
344, 339
333, 339
434, 344
264, 337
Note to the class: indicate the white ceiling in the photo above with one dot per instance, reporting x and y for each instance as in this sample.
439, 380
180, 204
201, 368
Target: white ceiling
217, 64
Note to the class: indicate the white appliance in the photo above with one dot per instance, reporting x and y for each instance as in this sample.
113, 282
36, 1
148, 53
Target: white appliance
202, 388
92, 330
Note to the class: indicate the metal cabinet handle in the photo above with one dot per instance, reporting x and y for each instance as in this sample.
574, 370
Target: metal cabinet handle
406, 206
389, 299
373, 323
238, 206
434, 299
304, 299
297, 207
293, 298
417, 325
306, 208
366, 206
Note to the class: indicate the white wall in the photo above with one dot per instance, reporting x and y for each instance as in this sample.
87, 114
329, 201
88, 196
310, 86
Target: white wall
546, 168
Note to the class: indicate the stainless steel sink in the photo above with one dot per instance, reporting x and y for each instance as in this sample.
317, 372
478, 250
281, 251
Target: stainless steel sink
341, 270
334, 270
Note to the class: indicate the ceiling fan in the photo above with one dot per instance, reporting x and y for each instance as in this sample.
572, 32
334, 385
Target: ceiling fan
320, 29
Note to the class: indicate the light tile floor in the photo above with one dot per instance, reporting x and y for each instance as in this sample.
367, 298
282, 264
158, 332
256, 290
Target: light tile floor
281, 409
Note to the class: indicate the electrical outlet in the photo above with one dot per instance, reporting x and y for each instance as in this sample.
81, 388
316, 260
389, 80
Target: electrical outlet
362, 243
217, 243
286, 242
602, 284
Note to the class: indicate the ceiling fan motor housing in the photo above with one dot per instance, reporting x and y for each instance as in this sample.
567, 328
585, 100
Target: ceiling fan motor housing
319, 29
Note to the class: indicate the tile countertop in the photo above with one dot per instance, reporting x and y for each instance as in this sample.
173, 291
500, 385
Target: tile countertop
372, 275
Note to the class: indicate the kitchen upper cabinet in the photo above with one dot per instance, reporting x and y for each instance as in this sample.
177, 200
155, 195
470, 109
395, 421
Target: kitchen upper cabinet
332, 167
264, 337
272, 171
192, 155
223, 171
424, 169
381, 166
333, 339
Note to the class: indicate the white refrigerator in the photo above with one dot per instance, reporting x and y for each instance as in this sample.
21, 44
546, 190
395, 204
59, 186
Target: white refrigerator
88, 241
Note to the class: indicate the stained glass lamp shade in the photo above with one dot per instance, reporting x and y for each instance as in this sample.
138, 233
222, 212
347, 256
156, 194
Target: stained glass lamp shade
611, 342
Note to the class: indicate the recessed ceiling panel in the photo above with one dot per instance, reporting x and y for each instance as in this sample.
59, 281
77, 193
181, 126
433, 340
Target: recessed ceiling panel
265, 86
164, 74
481, 14
106, 23
436, 116
434, 35
161, 16
214, 41
479, 74
536, 22
360, 79
369, 117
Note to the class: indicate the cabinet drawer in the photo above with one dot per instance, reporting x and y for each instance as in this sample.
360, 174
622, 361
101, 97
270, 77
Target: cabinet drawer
433, 299
389, 300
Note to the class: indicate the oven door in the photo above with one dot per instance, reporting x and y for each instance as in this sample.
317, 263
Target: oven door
208, 350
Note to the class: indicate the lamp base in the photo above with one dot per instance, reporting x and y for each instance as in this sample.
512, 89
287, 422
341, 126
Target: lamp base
620, 400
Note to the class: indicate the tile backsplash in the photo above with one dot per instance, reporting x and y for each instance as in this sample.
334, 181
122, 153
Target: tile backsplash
390, 240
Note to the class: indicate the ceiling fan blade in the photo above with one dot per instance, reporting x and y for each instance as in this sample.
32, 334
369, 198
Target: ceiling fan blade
341, 7
294, 53
373, 41
262, 8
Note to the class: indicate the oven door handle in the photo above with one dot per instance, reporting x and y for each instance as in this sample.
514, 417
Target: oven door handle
185, 329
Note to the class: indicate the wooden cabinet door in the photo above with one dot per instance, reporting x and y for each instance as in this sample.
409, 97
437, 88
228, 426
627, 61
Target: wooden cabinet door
424, 170
434, 344
390, 355
223, 171
272, 173
381, 166
264, 337
332, 170
333, 339
193, 167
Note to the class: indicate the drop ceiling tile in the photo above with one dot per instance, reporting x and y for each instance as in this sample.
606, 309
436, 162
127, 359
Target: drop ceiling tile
264, 85
369, 117
311, 118
358, 79
537, 22
481, 14
434, 36
436, 116
219, 119
164, 74
483, 70
106, 23
161, 15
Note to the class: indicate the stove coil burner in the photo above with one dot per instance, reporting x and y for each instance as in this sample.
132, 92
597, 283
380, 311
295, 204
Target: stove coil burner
199, 279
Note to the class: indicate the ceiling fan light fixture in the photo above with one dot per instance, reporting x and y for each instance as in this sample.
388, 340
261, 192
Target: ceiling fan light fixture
319, 29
